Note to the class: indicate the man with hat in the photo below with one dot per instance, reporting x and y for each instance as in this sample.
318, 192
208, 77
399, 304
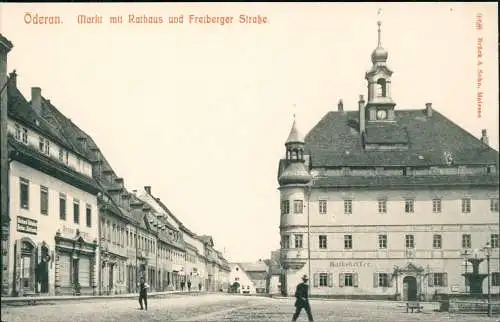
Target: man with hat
302, 299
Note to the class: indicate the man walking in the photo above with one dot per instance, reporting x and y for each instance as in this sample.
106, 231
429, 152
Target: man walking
302, 299
143, 294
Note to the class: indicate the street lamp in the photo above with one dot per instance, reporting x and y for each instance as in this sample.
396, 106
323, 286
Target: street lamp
487, 250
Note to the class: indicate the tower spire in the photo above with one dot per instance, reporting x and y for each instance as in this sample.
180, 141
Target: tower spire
379, 23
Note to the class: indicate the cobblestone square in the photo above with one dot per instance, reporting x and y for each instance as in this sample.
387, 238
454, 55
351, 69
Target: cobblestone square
221, 307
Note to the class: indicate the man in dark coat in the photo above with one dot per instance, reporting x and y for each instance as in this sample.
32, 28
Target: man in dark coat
302, 299
143, 294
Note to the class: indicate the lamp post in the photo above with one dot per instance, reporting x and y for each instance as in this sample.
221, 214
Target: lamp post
487, 250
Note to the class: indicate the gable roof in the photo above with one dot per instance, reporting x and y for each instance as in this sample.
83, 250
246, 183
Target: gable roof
335, 141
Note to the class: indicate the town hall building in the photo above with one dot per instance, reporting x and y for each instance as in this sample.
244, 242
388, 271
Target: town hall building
385, 202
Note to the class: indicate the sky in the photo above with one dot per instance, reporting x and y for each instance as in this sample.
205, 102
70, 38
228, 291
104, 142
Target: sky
201, 112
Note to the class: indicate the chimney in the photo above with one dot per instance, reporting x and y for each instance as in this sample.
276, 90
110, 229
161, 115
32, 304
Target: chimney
340, 106
13, 79
36, 100
484, 137
361, 105
148, 189
428, 109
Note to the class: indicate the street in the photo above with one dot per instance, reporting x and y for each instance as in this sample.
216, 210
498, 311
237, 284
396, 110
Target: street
222, 307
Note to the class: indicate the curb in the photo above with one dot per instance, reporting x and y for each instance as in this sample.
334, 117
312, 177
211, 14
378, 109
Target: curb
34, 300
355, 300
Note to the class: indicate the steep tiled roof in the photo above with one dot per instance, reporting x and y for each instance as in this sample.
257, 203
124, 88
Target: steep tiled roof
402, 181
20, 109
335, 141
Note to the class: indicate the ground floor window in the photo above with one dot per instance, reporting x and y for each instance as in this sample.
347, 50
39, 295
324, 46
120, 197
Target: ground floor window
438, 279
495, 279
381, 280
348, 279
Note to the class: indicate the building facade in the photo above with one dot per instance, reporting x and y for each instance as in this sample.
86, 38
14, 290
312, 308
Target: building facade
69, 225
386, 202
5, 47
53, 204
249, 278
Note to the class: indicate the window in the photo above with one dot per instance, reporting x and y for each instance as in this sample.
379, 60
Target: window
438, 279
76, 211
494, 205
382, 241
41, 144
88, 216
285, 207
348, 279
410, 241
47, 147
323, 207
24, 193
495, 279
323, 279
466, 205
62, 206
348, 241
322, 241
44, 200
286, 241
298, 241
61, 154
466, 241
67, 157
436, 241
382, 206
17, 133
381, 280
347, 206
494, 240
298, 206
409, 206
436, 205
25, 135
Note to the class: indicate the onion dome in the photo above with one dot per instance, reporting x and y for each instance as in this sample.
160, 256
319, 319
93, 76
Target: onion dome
379, 55
295, 173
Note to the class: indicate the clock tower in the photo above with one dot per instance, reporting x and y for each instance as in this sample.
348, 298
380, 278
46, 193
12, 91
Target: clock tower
380, 106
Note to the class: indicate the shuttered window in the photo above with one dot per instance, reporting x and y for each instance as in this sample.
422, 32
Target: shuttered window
64, 270
84, 271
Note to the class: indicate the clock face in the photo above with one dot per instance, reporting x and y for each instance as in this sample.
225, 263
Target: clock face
381, 114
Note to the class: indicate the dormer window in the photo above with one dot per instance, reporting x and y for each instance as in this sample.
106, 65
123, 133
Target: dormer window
24, 135
17, 134
44, 145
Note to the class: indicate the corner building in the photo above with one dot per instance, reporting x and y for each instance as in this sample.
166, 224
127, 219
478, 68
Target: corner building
387, 203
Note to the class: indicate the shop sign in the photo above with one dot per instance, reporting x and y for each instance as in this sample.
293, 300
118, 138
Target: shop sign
27, 225
350, 264
71, 232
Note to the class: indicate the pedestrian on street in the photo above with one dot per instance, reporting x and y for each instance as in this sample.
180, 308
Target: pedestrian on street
302, 299
143, 294
199, 287
189, 286
182, 285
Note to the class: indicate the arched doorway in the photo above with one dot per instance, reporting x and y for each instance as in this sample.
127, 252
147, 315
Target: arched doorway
235, 287
410, 288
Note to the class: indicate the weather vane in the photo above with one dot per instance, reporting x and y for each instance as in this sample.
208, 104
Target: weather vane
294, 109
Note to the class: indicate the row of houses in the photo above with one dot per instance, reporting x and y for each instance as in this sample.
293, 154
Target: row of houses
69, 225
261, 277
